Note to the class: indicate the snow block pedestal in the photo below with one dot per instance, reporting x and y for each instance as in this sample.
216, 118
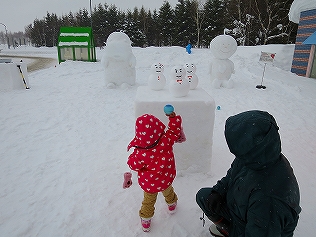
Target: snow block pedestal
11, 78
197, 110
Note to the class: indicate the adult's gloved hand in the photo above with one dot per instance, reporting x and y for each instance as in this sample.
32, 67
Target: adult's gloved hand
215, 201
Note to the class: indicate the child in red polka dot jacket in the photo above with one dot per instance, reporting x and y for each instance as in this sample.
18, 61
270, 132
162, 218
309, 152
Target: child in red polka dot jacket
154, 161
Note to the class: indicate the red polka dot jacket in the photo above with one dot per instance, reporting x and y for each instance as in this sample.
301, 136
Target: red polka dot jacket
153, 156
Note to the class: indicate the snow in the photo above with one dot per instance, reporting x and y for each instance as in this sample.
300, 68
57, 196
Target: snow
63, 143
299, 6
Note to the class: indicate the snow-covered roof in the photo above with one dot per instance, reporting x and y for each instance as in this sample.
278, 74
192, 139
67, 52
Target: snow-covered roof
73, 43
74, 34
299, 6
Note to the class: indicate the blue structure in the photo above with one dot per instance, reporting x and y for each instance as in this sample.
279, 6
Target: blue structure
188, 48
311, 67
311, 40
304, 52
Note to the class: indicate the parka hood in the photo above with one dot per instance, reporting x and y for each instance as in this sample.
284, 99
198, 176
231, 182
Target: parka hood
253, 137
148, 130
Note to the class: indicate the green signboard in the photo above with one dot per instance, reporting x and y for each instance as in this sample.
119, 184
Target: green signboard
76, 43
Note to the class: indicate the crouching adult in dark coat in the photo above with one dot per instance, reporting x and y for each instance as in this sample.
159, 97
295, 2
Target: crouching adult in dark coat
259, 196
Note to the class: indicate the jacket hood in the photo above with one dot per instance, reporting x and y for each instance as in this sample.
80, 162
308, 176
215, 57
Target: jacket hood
148, 130
253, 137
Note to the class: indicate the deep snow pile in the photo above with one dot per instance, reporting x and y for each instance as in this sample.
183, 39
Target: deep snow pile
63, 144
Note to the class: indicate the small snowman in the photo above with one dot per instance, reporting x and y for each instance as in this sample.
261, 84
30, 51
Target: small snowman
157, 80
191, 76
221, 69
179, 85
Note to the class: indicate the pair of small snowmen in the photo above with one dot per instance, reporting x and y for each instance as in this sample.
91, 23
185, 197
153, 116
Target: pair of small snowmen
183, 79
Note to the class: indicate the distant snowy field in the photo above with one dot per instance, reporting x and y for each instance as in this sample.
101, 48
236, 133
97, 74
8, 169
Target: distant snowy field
63, 144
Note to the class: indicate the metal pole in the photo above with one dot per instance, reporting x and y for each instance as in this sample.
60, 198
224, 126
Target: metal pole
264, 69
90, 14
91, 48
262, 86
6, 34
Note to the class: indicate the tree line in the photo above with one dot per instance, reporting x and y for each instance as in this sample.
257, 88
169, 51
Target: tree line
250, 22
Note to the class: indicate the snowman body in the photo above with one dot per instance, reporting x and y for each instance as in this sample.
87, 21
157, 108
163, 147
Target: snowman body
179, 85
222, 69
192, 78
157, 80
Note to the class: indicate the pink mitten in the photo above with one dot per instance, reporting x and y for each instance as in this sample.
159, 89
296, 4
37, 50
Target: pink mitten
182, 137
127, 180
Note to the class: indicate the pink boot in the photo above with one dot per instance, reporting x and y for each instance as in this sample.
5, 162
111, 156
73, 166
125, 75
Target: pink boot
172, 207
145, 224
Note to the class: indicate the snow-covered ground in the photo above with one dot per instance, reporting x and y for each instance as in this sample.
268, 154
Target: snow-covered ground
63, 144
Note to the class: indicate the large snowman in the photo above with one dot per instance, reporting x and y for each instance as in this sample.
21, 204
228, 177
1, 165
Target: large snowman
156, 80
179, 85
119, 61
221, 68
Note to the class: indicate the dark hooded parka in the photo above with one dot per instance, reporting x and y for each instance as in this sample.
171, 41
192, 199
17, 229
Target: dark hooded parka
260, 188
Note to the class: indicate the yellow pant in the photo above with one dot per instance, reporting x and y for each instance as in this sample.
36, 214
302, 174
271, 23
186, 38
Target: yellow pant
147, 209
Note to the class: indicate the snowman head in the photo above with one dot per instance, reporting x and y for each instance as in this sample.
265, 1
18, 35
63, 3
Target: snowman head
223, 46
178, 73
118, 37
157, 68
190, 68
118, 46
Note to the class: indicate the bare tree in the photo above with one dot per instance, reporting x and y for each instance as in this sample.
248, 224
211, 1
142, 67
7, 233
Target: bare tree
198, 16
272, 18
241, 19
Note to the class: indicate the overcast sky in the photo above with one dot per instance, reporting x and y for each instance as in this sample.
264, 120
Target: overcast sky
16, 14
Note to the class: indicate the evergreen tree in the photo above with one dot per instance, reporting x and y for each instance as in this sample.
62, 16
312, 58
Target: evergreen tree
100, 23
143, 23
130, 27
71, 19
38, 35
250, 22
215, 20
185, 30
153, 34
166, 26
114, 20
82, 18
52, 27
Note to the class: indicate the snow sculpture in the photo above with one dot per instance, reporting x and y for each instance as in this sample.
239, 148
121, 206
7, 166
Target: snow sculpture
221, 68
13, 76
157, 80
179, 85
192, 78
119, 61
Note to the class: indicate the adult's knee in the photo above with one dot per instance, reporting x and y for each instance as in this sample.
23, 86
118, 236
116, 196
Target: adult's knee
201, 197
